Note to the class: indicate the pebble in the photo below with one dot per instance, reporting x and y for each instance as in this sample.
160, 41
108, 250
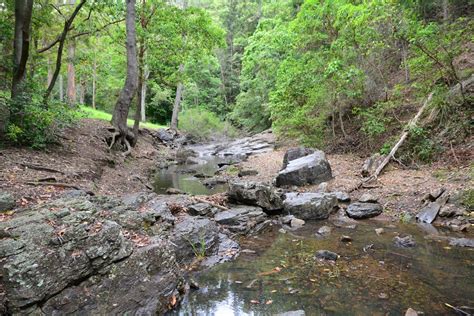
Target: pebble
379, 231
296, 222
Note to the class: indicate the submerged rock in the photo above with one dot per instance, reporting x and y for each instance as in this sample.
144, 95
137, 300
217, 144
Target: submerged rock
309, 206
255, 193
7, 202
404, 242
310, 169
324, 230
360, 210
326, 255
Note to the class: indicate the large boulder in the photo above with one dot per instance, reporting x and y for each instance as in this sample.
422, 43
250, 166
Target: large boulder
310, 169
309, 206
7, 202
359, 210
243, 219
295, 153
255, 193
184, 155
93, 255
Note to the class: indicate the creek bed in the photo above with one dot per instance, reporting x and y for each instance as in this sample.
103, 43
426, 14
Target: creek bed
283, 276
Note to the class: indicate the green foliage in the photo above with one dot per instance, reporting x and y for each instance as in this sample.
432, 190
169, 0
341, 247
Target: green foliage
419, 145
467, 199
32, 124
205, 124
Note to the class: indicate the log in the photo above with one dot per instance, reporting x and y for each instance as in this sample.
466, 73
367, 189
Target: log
40, 168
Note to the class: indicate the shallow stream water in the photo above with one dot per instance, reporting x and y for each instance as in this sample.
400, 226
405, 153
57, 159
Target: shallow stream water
282, 274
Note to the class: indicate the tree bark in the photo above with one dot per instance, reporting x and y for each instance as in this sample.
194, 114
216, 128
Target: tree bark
177, 101
61, 88
71, 74
21, 44
120, 115
62, 39
94, 84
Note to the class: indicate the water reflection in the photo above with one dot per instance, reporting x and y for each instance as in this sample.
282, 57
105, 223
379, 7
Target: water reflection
384, 280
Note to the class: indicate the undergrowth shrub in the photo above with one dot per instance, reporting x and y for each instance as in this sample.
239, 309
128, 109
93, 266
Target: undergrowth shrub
32, 123
204, 124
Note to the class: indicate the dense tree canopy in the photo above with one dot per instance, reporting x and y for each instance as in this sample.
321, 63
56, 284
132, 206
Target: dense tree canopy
319, 71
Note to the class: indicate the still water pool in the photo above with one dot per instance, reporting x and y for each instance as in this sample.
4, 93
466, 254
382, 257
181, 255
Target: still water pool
277, 273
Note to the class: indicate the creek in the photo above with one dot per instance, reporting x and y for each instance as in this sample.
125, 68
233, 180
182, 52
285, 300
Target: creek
278, 273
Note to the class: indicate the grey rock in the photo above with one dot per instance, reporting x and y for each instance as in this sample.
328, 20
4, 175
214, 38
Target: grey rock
297, 223
194, 234
164, 135
174, 191
183, 154
311, 169
326, 255
295, 153
255, 193
203, 209
324, 231
342, 196
462, 242
287, 219
368, 198
195, 161
451, 210
7, 202
360, 210
94, 243
243, 219
404, 242
292, 313
323, 187
228, 249
429, 213
309, 206
212, 182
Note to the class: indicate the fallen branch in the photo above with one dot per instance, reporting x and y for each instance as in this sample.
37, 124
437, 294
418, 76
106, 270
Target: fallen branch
55, 184
40, 168
212, 204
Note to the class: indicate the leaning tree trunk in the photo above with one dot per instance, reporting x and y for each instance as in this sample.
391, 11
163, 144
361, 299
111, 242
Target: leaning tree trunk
119, 119
177, 102
21, 44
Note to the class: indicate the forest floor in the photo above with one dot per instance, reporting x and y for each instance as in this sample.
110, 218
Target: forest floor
399, 189
83, 161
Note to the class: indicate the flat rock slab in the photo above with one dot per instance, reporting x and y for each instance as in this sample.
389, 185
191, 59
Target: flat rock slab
309, 206
295, 153
243, 219
310, 169
360, 210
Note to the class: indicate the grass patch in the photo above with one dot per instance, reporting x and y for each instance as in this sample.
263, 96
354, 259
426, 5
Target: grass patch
88, 112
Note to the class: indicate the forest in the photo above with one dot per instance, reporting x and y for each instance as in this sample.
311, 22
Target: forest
236, 157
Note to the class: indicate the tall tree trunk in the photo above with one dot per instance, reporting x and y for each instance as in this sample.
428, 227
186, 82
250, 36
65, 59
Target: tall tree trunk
177, 101
62, 39
94, 80
50, 72
61, 88
119, 118
82, 92
445, 6
71, 74
143, 96
21, 44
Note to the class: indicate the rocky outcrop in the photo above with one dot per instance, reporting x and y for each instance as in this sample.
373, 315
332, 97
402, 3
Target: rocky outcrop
102, 256
310, 169
243, 219
255, 193
7, 202
183, 155
309, 206
359, 210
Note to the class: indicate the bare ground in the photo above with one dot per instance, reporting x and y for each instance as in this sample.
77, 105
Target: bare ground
399, 189
81, 160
